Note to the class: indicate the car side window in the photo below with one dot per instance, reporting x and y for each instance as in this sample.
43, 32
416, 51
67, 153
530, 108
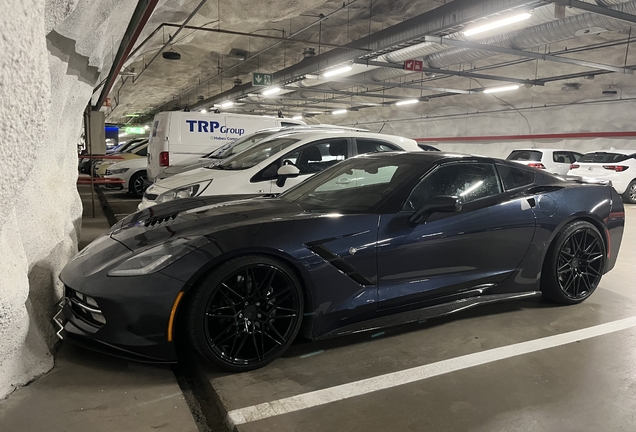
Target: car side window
143, 152
310, 159
575, 156
561, 157
374, 146
469, 181
513, 177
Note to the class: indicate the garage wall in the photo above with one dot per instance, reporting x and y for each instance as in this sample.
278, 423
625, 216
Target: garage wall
594, 116
53, 52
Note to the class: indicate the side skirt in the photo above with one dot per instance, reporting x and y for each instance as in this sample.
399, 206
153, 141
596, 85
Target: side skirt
425, 313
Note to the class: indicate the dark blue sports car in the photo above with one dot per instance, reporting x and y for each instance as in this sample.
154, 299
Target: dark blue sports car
373, 241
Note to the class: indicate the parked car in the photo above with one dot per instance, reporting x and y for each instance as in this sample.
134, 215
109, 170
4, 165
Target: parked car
178, 135
427, 147
240, 145
125, 146
256, 170
133, 172
373, 241
619, 166
555, 161
135, 152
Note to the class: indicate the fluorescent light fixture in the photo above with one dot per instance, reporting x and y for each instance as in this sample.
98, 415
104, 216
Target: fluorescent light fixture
297, 117
227, 104
407, 102
147, 127
502, 88
338, 71
271, 91
339, 111
203, 111
498, 23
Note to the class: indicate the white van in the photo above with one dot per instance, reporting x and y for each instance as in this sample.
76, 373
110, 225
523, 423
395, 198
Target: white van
178, 135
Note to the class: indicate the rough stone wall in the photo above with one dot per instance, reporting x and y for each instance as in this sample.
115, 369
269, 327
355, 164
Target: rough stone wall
53, 53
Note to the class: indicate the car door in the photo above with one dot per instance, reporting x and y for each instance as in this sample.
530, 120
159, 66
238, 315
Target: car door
310, 159
466, 251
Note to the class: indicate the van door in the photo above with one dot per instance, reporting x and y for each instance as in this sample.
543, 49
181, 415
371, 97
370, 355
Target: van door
157, 143
198, 134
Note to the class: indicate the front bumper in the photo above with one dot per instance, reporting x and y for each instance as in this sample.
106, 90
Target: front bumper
123, 316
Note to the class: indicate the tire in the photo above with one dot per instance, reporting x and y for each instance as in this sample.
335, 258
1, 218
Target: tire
136, 185
240, 325
574, 264
629, 196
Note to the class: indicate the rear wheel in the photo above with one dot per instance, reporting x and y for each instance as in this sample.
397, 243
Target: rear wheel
574, 265
245, 313
629, 196
137, 184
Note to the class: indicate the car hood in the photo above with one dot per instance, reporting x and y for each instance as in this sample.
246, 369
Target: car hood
193, 217
198, 163
193, 176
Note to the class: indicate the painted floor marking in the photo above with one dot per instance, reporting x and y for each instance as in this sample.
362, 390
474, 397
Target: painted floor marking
394, 379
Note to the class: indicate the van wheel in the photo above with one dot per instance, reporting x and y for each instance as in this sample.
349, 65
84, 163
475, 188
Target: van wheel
137, 184
629, 196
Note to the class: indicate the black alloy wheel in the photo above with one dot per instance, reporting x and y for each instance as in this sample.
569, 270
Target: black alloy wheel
630, 193
245, 313
137, 184
575, 263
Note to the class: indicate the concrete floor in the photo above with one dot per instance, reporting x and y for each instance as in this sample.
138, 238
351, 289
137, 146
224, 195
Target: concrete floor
586, 385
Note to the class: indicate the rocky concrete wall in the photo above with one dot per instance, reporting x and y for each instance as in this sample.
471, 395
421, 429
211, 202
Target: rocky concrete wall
54, 52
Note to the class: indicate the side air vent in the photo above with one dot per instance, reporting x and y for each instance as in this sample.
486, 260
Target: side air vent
339, 263
159, 221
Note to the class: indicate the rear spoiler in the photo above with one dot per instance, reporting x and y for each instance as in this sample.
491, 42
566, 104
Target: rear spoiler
586, 180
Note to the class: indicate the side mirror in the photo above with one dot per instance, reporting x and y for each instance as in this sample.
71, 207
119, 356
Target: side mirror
285, 172
437, 204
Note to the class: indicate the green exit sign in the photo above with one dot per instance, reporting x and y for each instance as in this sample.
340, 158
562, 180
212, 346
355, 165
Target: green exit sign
262, 79
135, 130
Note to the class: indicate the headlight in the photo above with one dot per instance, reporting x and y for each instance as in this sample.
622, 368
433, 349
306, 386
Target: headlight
158, 257
188, 191
117, 171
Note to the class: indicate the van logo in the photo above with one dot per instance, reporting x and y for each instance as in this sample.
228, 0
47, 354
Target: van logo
204, 126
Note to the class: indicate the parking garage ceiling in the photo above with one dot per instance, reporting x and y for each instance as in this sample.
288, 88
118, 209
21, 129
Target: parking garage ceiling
559, 54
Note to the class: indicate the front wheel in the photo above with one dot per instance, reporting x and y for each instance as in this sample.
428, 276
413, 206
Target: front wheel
629, 196
245, 313
137, 184
574, 264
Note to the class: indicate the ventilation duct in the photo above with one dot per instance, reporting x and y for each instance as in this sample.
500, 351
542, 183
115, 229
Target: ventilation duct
550, 32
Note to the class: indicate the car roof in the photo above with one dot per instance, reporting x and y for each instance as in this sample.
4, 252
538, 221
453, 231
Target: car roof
345, 133
546, 149
428, 157
625, 152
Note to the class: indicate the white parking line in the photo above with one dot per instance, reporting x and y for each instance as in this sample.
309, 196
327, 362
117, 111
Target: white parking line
394, 379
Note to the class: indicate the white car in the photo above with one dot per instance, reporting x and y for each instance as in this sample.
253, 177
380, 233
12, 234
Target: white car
619, 166
274, 165
555, 161
240, 145
134, 174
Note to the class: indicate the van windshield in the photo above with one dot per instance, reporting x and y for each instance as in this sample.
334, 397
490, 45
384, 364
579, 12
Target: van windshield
256, 154
238, 145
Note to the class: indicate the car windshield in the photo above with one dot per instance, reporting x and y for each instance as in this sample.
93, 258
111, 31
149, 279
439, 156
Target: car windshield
603, 157
135, 146
255, 155
239, 145
357, 185
525, 155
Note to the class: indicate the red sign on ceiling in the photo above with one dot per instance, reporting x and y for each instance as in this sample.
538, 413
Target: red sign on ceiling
413, 65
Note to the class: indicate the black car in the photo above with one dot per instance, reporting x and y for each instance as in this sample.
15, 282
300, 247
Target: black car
373, 241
